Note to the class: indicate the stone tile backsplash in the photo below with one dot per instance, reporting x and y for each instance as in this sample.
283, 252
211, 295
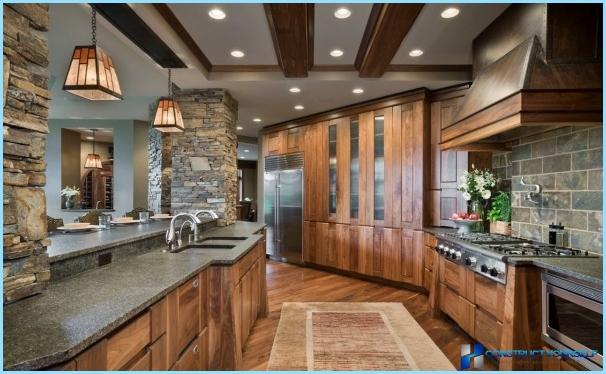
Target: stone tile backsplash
567, 164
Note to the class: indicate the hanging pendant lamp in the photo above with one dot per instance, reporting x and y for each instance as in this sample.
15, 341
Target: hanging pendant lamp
93, 160
91, 72
168, 114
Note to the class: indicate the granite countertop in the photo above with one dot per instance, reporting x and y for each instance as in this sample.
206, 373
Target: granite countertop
588, 269
75, 312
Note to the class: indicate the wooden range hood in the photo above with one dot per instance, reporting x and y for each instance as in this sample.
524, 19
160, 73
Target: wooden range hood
522, 87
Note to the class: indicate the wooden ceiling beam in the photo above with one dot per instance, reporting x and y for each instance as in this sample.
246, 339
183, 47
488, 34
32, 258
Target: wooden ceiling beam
291, 27
387, 26
172, 20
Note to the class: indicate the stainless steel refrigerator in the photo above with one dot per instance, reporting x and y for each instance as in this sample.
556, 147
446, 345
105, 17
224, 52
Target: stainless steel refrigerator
283, 207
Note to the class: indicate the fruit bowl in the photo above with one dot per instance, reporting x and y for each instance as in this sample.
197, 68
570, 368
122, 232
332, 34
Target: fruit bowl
465, 225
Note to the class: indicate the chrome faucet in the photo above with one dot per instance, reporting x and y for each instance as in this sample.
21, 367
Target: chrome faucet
208, 212
171, 237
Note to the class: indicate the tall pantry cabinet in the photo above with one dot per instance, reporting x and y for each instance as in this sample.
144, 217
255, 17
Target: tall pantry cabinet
364, 184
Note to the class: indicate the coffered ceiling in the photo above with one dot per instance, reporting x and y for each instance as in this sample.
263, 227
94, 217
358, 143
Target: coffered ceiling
258, 80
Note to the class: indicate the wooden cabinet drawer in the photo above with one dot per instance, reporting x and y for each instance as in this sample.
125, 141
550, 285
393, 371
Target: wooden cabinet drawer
159, 353
124, 345
489, 296
458, 308
142, 364
430, 240
203, 277
190, 359
243, 265
158, 319
487, 329
450, 275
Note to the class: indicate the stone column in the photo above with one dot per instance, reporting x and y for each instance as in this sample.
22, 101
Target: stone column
204, 171
26, 265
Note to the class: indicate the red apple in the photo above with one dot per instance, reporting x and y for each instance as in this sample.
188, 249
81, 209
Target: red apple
455, 216
463, 215
473, 216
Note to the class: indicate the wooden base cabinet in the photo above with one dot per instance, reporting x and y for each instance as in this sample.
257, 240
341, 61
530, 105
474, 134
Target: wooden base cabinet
391, 254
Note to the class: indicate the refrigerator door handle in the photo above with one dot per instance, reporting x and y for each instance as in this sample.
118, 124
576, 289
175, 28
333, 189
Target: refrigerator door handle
277, 215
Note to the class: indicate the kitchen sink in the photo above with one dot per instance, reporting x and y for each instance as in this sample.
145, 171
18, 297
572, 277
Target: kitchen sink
225, 238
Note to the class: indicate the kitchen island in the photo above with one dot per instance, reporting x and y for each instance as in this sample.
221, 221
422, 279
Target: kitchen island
80, 311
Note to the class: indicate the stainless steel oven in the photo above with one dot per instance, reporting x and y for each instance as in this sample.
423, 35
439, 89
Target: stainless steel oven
572, 317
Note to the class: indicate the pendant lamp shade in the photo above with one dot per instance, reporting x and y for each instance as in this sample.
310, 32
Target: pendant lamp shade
93, 161
92, 75
168, 116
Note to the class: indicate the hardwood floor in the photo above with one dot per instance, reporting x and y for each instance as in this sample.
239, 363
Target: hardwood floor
294, 283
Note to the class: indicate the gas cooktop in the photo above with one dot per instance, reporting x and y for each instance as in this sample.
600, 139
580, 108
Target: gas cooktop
484, 238
535, 249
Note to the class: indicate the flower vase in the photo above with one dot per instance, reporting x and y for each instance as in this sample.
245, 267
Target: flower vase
69, 202
478, 208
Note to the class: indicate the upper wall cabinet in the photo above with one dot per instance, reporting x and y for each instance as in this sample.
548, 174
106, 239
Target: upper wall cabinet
282, 142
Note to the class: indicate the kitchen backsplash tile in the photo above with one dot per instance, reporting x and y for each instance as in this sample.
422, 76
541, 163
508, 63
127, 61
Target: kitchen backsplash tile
567, 164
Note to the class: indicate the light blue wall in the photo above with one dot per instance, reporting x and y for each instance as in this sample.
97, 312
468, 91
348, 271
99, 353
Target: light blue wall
123, 132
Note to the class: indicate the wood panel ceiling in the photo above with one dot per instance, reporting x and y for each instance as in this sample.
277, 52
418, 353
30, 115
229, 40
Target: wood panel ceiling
291, 27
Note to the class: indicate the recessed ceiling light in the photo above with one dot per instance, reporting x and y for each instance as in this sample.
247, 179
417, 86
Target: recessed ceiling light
342, 13
256, 119
450, 13
216, 13
299, 107
295, 89
415, 53
357, 90
239, 128
237, 53
246, 150
336, 53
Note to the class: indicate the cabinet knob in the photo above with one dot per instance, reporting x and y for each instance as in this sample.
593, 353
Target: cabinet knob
196, 283
196, 349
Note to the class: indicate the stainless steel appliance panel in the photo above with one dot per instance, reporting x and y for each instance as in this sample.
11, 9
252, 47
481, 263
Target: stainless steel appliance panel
270, 205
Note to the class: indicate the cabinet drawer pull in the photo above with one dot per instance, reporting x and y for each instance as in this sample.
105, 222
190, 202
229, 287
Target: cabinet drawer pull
196, 283
196, 349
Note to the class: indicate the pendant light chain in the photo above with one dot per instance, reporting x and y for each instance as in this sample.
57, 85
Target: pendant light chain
93, 26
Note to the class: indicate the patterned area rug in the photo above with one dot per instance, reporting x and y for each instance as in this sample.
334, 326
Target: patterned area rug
352, 336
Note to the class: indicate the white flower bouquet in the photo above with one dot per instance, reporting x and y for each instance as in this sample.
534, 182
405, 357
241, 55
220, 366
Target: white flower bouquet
70, 192
477, 184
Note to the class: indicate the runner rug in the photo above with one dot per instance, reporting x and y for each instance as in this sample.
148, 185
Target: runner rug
352, 336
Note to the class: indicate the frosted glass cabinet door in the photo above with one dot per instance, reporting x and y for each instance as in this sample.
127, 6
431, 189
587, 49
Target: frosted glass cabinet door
379, 164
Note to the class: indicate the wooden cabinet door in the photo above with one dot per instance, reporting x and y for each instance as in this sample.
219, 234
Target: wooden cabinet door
246, 286
294, 139
343, 170
365, 170
94, 358
343, 248
315, 202
458, 308
183, 316
412, 122
309, 242
204, 304
273, 143
386, 253
203, 343
361, 247
411, 257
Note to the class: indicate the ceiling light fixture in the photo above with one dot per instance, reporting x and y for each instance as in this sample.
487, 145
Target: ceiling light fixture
216, 13
256, 119
299, 107
415, 53
357, 90
336, 53
89, 138
168, 113
239, 128
237, 53
91, 74
295, 89
93, 160
450, 13
342, 13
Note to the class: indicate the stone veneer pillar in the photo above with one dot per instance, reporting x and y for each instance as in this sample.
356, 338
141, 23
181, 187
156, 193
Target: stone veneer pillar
204, 170
26, 265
